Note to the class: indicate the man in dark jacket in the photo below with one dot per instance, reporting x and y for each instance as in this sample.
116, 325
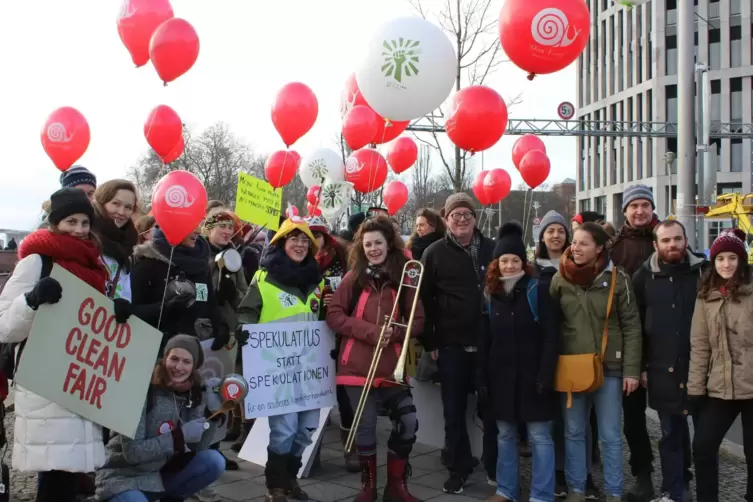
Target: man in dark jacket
632, 246
452, 295
665, 288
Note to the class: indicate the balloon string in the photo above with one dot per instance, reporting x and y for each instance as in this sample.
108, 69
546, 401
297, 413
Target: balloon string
164, 292
282, 169
530, 208
318, 198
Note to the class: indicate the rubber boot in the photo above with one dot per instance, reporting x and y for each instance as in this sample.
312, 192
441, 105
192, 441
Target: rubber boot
245, 429
234, 429
352, 460
276, 475
397, 480
642, 490
292, 488
367, 466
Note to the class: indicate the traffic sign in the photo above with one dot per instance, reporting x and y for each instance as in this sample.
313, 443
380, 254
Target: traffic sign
566, 110
536, 220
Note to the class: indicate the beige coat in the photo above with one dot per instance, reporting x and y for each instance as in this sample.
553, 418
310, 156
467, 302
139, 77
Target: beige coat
721, 347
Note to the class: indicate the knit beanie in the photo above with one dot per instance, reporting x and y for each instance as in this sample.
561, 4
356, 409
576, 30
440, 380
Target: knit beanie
317, 224
77, 175
587, 216
190, 344
510, 241
68, 201
551, 218
354, 222
457, 200
732, 241
637, 192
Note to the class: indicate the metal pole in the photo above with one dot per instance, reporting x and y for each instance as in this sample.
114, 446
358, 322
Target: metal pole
686, 144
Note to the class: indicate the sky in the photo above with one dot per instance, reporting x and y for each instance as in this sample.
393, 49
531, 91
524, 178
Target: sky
57, 53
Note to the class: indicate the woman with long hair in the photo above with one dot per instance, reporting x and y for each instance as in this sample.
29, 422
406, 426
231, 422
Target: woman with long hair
720, 381
365, 297
429, 229
517, 358
597, 304
55, 442
168, 459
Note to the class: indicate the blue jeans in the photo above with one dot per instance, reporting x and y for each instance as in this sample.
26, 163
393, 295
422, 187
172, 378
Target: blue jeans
674, 451
203, 470
607, 402
542, 449
291, 432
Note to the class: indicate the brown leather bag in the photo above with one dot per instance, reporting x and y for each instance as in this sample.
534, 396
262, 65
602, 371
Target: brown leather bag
584, 372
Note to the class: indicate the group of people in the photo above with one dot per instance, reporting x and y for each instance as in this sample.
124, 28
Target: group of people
635, 314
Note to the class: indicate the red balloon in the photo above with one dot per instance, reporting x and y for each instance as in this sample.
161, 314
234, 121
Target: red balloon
386, 131
281, 167
534, 168
291, 211
65, 136
543, 36
311, 211
179, 202
497, 185
174, 48
402, 154
163, 130
478, 188
359, 126
294, 112
366, 169
478, 120
523, 145
313, 194
395, 196
137, 23
175, 152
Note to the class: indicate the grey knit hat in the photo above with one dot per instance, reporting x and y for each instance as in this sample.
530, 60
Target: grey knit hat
189, 343
637, 192
551, 218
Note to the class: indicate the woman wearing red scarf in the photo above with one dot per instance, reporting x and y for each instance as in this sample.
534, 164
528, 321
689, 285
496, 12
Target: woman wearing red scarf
54, 442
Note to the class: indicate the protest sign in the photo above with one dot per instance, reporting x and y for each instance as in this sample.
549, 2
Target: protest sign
79, 357
258, 202
412, 357
288, 368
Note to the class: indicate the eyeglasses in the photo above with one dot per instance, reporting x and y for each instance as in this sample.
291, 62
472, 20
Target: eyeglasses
300, 241
456, 217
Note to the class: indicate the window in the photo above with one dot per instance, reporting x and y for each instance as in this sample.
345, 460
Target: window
671, 12
671, 147
735, 46
734, 7
601, 204
715, 49
736, 100
671, 92
671, 54
584, 205
716, 143
714, 9
716, 101
736, 156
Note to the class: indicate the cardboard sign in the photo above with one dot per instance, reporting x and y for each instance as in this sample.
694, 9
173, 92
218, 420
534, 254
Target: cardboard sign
78, 357
258, 202
288, 368
412, 357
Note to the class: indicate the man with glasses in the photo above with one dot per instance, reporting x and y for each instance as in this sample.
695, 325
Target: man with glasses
452, 295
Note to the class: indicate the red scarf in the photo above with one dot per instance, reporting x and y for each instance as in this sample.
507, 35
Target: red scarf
581, 275
78, 256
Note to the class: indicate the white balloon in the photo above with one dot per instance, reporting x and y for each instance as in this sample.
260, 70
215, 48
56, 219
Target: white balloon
334, 198
322, 163
409, 69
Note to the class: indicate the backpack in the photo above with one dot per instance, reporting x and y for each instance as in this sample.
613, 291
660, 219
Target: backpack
533, 299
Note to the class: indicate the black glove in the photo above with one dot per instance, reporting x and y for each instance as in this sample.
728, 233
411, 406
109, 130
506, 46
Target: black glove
241, 335
333, 354
221, 337
696, 405
175, 301
227, 292
47, 290
123, 310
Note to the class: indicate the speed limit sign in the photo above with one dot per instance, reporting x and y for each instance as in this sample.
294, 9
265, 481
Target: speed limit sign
566, 110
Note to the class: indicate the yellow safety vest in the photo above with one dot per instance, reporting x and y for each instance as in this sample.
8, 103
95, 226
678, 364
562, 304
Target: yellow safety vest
278, 304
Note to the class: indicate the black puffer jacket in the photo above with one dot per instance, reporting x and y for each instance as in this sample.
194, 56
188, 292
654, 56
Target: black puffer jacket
418, 245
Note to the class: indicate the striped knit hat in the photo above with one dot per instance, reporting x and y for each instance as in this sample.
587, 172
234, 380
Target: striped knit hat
637, 192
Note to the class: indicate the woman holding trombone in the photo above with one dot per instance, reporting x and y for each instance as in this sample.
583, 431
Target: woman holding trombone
372, 345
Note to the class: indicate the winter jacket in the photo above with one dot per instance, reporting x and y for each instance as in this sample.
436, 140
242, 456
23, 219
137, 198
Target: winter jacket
226, 307
666, 295
420, 244
452, 293
721, 347
135, 464
361, 328
544, 271
517, 356
249, 311
583, 317
633, 246
47, 436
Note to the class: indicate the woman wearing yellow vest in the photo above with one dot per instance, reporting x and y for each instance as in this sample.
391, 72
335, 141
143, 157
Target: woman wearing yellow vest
287, 287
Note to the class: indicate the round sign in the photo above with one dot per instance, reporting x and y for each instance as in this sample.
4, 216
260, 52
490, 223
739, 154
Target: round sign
566, 110
536, 220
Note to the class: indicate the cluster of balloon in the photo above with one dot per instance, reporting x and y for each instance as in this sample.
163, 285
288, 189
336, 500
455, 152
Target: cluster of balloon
313, 196
291, 211
281, 166
179, 202
395, 196
530, 159
294, 112
163, 131
149, 30
543, 36
492, 186
313, 209
322, 164
402, 154
366, 169
65, 137
360, 124
478, 119
385, 130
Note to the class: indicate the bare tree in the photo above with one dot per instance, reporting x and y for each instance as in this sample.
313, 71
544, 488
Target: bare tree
472, 26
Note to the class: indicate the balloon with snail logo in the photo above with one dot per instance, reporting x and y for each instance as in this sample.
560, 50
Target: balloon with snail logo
179, 202
65, 137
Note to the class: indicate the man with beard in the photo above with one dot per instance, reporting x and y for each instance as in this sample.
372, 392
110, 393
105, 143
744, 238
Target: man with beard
665, 288
632, 246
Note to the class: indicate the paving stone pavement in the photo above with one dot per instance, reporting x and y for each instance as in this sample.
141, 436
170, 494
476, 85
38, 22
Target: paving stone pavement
329, 482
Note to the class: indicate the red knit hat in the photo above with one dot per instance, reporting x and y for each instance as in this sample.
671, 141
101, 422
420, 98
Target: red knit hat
732, 241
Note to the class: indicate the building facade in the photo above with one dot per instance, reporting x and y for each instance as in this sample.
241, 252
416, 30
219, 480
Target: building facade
628, 72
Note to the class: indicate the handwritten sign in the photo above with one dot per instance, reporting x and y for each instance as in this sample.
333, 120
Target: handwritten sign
412, 357
79, 357
258, 202
288, 368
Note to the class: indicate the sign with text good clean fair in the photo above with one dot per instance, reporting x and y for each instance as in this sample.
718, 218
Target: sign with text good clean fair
79, 357
288, 368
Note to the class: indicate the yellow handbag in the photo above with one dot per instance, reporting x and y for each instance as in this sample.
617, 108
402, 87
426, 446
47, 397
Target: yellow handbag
584, 372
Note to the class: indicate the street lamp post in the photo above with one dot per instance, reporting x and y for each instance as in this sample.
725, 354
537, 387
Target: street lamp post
686, 141
669, 159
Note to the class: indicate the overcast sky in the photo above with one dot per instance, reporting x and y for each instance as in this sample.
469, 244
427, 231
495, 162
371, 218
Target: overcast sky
67, 53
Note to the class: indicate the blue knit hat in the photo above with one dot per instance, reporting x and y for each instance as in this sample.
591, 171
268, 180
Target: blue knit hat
637, 192
77, 175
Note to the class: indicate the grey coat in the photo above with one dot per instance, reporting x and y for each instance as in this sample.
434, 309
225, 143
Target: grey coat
134, 464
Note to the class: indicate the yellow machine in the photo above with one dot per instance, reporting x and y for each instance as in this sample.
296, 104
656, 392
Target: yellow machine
739, 209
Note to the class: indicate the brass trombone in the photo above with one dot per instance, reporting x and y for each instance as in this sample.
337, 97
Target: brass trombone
412, 275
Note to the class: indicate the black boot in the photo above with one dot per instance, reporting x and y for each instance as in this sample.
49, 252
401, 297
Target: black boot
292, 488
642, 490
276, 474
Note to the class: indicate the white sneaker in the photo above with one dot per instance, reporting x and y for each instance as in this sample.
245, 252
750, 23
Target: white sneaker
663, 498
207, 495
491, 482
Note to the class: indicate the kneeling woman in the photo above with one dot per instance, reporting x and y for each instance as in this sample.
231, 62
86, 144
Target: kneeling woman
168, 456
367, 293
